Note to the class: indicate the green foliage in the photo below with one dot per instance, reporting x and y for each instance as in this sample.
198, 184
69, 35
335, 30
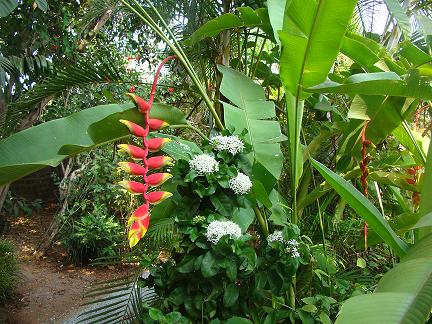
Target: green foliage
253, 113
233, 277
15, 206
9, 269
247, 18
363, 207
92, 222
79, 132
93, 236
403, 294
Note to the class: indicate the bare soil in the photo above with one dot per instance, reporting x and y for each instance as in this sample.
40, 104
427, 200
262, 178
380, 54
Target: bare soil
50, 290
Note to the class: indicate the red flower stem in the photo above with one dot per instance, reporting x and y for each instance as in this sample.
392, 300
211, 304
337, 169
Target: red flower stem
156, 77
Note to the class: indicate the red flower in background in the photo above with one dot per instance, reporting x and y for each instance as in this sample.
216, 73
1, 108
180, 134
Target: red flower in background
171, 90
132, 89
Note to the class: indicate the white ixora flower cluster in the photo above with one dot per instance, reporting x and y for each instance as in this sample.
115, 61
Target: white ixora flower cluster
292, 245
204, 164
240, 184
232, 144
217, 229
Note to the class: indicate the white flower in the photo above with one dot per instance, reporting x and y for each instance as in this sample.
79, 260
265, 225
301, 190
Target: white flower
294, 252
276, 236
240, 184
217, 229
204, 164
292, 245
233, 144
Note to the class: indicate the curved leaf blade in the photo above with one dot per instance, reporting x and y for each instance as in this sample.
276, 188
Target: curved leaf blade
252, 112
49, 143
363, 207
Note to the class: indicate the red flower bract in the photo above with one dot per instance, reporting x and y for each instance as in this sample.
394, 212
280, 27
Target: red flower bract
140, 219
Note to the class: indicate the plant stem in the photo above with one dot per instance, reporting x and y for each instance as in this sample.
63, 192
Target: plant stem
190, 127
144, 16
262, 220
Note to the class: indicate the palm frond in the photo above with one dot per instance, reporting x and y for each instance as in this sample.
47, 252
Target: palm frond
77, 75
161, 233
16, 66
118, 300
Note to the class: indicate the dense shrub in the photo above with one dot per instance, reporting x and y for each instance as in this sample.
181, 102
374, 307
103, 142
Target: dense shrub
91, 223
8, 269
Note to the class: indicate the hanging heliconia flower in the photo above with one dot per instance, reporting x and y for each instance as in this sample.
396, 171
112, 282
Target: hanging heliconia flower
140, 219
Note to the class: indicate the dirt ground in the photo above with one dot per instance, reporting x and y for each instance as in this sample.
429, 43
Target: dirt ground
50, 291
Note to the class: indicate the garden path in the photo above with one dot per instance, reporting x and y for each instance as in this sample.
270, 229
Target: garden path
49, 291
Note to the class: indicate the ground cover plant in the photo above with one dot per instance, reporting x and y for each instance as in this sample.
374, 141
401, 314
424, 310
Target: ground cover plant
9, 273
296, 166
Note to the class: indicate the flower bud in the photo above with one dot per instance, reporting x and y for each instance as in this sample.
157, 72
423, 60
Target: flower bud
134, 151
133, 187
132, 168
158, 162
135, 129
140, 103
157, 197
157, 124
157, 179
155, 144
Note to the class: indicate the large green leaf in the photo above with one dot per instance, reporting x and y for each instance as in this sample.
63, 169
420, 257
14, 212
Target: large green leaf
385, 114
247, 18
380, 83
252, 112
369, 54
403, 295
363, 207
49, 143
276, 12
311, 37
7, 6
426, 194
360, 52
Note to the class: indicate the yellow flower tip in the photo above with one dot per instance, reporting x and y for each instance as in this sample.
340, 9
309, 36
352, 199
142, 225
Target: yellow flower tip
122, 147
131, 95
133, 241
124, 166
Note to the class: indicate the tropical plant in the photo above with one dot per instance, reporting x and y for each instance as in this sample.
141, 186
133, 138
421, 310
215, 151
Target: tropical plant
355, 101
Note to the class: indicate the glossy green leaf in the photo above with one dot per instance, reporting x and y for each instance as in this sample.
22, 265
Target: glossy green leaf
363, 207
243, 217
49, 143
253, 113
247, 18
231, 295
276, 12
380, 83
403, 295
7, 6
414, 55
358, 51
425, 207
425, 221
42, 5
385, 114
315, 30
